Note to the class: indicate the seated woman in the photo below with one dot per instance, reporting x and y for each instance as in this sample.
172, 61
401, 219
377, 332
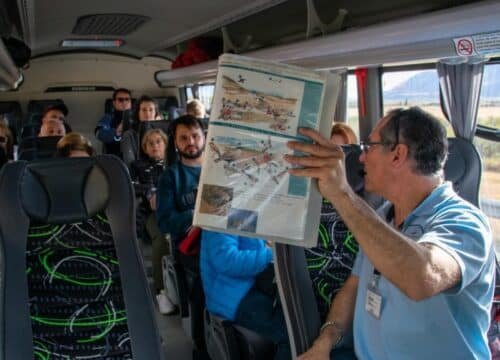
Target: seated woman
146, 110
6, 144
145, 175
229, 266
331, 261
74, 145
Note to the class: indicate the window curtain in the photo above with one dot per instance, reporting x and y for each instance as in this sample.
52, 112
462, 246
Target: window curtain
460, 86
341, 108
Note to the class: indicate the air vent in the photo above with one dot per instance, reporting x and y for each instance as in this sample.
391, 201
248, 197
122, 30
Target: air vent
108, 24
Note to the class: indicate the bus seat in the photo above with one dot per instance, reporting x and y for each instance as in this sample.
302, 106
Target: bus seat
34, 148
108, 106
182, 278
3, 157
226, 341
12, 115
132, 139
463, 169
68, 244
38, 106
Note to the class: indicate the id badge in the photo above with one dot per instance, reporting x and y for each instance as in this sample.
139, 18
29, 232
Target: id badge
373, 301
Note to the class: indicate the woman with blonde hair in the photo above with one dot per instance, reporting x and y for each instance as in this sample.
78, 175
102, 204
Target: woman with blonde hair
343, 134
74, 145
145, 175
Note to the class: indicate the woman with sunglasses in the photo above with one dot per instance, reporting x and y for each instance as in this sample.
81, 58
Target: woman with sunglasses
109, 129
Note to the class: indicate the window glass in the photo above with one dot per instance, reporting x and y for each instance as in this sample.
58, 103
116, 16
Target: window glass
206, 93
189, 94
489, 115
352, 113
414, 88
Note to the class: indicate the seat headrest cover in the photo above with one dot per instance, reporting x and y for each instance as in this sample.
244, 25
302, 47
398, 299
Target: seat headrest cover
59, 191
463, 169
354, 168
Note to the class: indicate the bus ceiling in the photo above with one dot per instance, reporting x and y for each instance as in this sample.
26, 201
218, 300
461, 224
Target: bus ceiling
389, 43
354, 32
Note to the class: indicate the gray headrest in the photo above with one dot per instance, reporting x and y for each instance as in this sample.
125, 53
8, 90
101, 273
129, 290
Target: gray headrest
463, 169
353, 167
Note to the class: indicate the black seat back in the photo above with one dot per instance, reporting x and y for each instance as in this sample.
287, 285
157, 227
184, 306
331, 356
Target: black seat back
38, 106
34, 148
68, 241
12, 114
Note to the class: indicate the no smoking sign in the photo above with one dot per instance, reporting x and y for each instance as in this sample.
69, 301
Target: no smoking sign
464, 46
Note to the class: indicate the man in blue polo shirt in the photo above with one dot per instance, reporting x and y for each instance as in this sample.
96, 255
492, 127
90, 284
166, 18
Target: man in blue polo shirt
423, 283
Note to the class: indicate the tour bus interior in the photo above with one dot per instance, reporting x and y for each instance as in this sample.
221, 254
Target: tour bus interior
389, 53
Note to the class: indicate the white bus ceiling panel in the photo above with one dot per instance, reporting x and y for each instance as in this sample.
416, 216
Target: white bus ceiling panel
423, 37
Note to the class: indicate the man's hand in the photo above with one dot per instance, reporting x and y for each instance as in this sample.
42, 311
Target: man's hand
325, 163
152, 202
119, 129
317, 352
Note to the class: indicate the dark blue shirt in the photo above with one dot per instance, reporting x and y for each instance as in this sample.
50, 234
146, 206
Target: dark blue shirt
176, 198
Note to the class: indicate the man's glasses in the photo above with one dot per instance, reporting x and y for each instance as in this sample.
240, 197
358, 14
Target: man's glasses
123, 99
365, 145
3, 139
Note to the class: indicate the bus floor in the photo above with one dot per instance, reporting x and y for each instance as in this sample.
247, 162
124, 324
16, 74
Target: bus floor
174, 340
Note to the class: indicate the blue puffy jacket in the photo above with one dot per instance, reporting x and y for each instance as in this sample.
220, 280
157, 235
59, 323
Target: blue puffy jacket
229, 264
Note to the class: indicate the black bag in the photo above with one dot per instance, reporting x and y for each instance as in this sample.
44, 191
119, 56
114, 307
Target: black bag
265, 281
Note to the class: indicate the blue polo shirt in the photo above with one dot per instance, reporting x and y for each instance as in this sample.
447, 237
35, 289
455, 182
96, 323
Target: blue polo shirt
450, 325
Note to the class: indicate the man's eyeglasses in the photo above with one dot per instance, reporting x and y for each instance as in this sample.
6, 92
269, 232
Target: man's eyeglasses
365, 145
3, 139
123, 99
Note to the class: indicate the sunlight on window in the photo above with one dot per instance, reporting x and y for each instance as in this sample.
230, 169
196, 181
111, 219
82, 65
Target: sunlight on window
489, 115
414, 88
352, 115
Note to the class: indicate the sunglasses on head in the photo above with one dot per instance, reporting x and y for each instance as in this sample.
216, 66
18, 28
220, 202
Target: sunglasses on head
123, 99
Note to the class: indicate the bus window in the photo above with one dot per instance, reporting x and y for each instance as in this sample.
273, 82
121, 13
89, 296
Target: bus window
414, 88
352, 104
205, 94
489, 116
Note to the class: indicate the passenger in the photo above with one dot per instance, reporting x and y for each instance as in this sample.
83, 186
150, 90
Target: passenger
109, 129
74, 145
196, 108
145, 175
229, 267
423, 281
179, 182
330, 262
6, 140
52, 127
343, 134
57, 112
146, 110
